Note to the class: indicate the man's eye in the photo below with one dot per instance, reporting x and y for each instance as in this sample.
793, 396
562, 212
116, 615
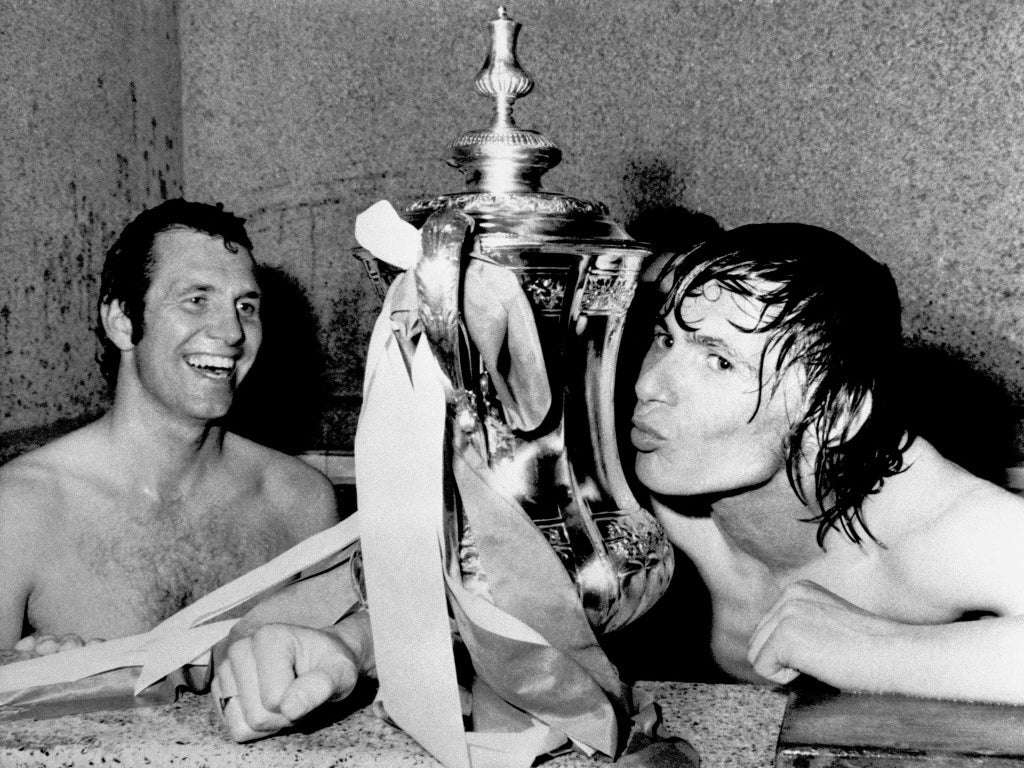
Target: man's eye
663, 339
248, 308
719, 363
196, 301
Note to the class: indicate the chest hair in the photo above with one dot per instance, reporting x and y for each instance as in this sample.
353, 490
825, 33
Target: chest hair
161, 562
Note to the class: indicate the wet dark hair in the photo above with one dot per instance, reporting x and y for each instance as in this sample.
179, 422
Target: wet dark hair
831, 308
130, 264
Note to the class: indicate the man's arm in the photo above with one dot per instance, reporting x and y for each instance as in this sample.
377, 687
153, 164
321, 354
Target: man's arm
273, 678
19, 536
302, 497
319, 509
814, 632
969, 560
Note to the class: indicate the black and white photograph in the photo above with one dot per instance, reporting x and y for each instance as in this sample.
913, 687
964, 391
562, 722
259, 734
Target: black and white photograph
472, 384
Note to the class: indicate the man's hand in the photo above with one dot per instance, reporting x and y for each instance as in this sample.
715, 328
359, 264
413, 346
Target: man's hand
44, 645
278, 675
812, 631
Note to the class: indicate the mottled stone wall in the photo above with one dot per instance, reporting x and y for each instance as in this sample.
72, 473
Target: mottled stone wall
91, 126
895, 123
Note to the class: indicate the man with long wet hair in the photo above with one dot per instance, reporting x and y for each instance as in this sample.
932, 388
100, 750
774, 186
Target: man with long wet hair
771, 433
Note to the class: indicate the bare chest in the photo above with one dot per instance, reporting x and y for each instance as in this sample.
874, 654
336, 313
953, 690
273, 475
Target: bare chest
122, 574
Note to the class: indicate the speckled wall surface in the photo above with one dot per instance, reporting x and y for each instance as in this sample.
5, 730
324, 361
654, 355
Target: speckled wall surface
896, 124
91, 125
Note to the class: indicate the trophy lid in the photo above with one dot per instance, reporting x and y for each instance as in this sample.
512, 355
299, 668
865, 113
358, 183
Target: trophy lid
503, 164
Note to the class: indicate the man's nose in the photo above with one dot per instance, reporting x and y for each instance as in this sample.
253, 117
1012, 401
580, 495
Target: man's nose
655, 381
227, 327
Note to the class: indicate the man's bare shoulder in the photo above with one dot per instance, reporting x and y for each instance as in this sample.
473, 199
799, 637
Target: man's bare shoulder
303, 495
981, 513
37, 490
963, 539
949, 495
38, 480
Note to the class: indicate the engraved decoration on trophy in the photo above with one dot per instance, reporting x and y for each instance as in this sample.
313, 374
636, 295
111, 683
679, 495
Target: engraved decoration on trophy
523, 295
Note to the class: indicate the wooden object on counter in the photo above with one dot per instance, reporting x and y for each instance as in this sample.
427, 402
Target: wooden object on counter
823, 728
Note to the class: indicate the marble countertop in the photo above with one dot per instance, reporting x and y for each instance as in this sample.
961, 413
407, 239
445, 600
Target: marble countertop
732, 726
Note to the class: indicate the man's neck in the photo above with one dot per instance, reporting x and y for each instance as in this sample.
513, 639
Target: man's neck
162, 455
769, 523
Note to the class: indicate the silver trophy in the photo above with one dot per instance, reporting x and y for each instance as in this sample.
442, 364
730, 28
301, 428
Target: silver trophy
523, 295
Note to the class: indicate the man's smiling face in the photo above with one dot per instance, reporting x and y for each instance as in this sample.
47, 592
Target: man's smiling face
708, 419
201, 328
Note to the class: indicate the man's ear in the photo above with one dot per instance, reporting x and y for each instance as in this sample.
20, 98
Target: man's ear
850, 419
116, 324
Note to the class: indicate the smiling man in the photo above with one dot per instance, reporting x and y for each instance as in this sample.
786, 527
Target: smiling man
112, 528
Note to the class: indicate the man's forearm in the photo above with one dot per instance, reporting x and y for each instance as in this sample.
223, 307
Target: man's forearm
973, 660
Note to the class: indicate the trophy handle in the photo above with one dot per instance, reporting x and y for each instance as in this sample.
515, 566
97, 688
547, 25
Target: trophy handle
438, 276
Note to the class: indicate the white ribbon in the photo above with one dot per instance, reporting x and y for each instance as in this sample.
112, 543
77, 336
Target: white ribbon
187, 636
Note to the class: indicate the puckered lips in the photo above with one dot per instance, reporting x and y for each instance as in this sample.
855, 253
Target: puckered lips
212, 366
644, 436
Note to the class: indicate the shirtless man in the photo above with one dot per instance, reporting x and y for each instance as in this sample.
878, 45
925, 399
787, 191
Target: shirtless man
769, 431
112, 528
833, 542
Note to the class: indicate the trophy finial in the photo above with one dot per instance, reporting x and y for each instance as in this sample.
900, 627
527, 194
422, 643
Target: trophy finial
502, 77
504, 158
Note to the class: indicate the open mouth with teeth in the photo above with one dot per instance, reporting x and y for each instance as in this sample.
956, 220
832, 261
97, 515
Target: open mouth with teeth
212, 366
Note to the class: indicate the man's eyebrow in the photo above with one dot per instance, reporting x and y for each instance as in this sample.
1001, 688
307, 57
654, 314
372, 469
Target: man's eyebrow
183, 286
707, 340
187, 287
719, 344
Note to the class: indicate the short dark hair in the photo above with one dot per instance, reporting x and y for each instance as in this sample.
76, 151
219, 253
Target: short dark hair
129, 265
833, 309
